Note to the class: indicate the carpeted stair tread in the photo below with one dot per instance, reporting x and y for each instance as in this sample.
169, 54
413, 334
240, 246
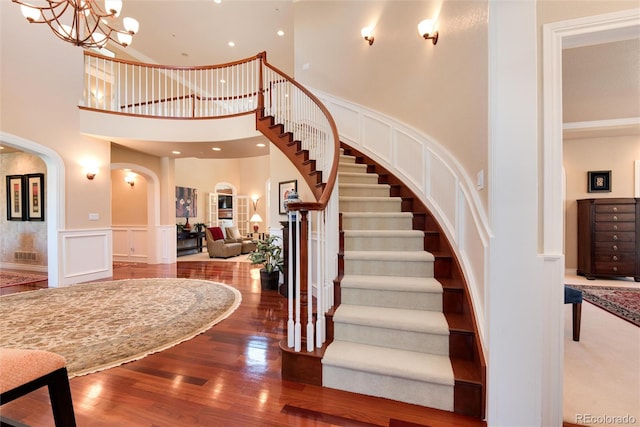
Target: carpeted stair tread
407, 256
383, 233
388, 361
430, 322
377, 215
393, 283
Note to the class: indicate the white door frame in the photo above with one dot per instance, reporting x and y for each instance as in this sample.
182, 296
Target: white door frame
557, 36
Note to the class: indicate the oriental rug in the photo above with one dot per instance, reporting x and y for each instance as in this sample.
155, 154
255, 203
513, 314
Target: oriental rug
100, 325
15, 278
622, 302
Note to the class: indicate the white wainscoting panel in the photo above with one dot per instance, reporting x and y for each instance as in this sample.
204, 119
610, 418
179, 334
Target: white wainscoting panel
168, 242
443, 191
376, 137
139, 244
120, 244
409, 155
347, 120
86, 255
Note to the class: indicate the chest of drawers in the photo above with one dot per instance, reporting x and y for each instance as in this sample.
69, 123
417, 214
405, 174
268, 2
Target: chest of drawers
608, 243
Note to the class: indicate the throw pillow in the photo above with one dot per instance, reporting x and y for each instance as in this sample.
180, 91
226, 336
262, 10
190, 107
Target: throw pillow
216, 233
233, 235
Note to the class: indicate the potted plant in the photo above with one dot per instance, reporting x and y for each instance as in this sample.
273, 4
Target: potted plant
269, 254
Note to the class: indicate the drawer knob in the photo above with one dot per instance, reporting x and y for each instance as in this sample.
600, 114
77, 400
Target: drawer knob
615, 209
615, 217
615, 237
615, 268
615, 227
615, 247
615, 257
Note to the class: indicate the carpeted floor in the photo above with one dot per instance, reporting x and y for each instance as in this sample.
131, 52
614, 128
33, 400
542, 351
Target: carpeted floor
623, 302
100, 325
15, 278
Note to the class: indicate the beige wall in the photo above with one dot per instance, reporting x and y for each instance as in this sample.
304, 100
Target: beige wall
30, 236
440, 90
616, 154
128, 203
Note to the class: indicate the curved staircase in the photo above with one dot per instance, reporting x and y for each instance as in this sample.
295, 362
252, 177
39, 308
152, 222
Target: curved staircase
403, 327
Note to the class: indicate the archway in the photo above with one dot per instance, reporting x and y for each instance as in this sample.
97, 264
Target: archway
55, 206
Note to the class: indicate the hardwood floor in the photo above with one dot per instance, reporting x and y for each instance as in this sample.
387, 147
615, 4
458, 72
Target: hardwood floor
228, 376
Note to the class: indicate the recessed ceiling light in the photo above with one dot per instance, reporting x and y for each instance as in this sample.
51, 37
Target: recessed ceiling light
261, 145
185, 54
280, 33
1, 147
231, 44
217, 149
217, 1
175, 152
223, 81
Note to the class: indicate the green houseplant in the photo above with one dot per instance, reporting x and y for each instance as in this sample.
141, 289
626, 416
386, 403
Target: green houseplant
269, 255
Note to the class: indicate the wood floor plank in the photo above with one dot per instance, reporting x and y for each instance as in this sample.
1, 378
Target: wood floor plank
227, 376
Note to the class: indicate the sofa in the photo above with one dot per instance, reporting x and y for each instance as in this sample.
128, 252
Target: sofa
218, 247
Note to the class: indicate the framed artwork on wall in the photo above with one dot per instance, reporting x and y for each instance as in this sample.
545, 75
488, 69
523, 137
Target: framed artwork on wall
285, 189
15, 198
186, 202
34, 190
599, 181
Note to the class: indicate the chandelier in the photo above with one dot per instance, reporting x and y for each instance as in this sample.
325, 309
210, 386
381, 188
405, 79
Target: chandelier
82, 22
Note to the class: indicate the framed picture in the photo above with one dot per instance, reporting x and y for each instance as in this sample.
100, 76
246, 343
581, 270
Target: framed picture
285, 189
15, 198
34, 191
186, 202
599, 181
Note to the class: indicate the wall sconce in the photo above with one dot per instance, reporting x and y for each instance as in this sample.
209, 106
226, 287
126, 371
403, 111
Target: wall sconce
366, 34
130, 179
254, 200
92, 171
425, 29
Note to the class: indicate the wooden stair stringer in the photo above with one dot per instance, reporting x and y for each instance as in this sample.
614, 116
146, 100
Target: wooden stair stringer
292, 149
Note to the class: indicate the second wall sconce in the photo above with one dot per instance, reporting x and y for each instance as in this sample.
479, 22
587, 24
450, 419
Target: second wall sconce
366, 34
130, 179
255, 200
425, 28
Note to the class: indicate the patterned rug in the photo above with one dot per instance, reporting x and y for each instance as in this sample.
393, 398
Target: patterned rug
14, 278
100, 325
623, 302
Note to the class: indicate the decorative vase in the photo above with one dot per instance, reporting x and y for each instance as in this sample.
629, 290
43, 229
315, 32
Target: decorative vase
187, 226
269, 280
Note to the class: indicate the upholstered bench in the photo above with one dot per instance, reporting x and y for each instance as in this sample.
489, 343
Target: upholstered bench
23, 371
574, 297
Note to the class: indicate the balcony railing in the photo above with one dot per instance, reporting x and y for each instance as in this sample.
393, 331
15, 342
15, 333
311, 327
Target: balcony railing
248, 86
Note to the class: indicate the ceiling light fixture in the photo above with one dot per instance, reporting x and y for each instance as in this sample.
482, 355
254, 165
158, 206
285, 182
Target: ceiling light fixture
366, 34
260, 144
425, 28
176, 152
280, 33
81, 22
217, 149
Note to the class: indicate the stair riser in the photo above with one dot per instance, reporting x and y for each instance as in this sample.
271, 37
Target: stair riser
377, 205
421, 342
405, 390
392, 299
364, 191
346, 159
375, 243
376, 223
362, 178
388, 268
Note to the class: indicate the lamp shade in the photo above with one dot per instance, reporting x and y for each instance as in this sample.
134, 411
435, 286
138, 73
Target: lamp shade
255, 218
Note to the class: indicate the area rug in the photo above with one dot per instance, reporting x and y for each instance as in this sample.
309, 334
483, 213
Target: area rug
622, 302
100, 325
14, 278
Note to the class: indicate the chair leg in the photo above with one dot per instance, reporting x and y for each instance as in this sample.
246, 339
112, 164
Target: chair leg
60, 395
577, 315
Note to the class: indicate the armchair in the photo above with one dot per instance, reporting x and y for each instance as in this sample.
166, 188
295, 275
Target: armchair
233, 235
218, 247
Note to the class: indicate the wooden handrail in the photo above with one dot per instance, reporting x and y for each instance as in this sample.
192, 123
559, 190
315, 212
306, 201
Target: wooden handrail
331, 179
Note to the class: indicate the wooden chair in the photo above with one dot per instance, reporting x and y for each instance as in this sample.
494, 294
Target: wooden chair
23, 371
